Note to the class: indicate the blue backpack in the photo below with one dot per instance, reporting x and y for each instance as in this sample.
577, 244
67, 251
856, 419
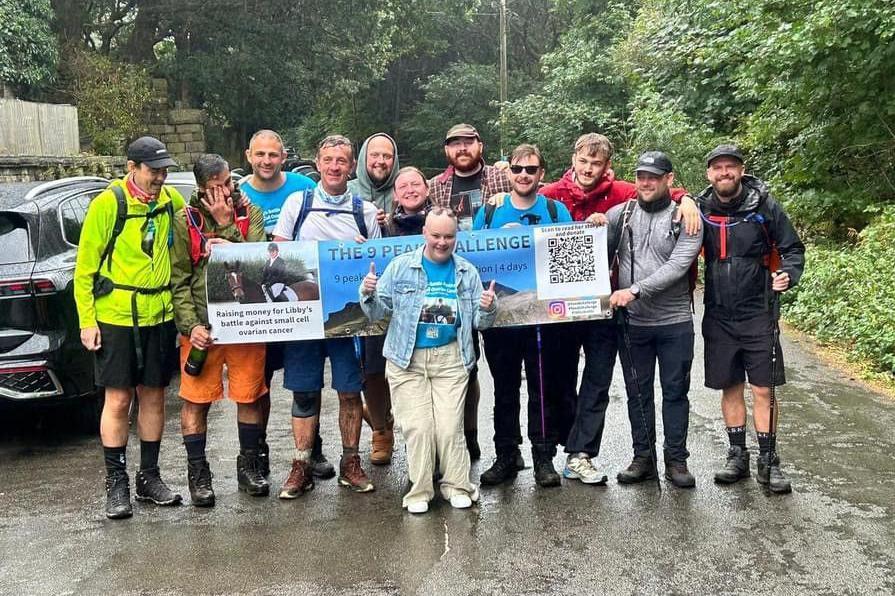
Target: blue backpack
307, 205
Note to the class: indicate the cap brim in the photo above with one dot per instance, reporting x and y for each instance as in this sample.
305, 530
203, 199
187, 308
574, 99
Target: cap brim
463, 136
651, 170
163, 162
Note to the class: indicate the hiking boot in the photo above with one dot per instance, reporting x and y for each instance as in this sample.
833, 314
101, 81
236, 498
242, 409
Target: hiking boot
677, 472
382, 445
545, 473
151, 488
264, 458
118, 496
769, 474
518, 462
735, 468
580, 467
641, 469
352, 475
198, 476
320, 466
299, 481
248, 474
504, 468
472, 444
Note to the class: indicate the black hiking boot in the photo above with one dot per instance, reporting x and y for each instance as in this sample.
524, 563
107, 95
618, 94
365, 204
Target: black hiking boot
118, 496
248, 473
504, 468
640, 470
198, 477
545, 473
677, 472
769, 474
735, 468
152, 489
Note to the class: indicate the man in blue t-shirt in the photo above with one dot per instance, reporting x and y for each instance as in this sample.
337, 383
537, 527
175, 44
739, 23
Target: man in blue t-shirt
508, 348
268, 187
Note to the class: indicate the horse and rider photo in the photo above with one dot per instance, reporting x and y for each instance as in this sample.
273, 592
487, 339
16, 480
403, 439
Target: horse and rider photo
259, 273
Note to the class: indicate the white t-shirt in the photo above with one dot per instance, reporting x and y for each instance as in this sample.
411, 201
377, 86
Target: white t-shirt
324, 225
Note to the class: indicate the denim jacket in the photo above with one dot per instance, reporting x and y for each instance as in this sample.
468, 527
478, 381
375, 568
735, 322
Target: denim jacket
400, 293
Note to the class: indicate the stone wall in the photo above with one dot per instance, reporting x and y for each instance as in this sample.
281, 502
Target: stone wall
29, 168
181, 129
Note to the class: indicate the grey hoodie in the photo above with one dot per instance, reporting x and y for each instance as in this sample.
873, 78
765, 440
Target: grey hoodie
382, 195
662, 258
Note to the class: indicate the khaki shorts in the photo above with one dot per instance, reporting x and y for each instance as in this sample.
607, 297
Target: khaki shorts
245, 374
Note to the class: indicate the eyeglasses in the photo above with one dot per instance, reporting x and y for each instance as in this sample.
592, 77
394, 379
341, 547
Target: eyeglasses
530, 170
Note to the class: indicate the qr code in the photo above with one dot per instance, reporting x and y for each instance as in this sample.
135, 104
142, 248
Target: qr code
571, 259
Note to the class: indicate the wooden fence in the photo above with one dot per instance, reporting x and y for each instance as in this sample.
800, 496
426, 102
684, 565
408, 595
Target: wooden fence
28, 128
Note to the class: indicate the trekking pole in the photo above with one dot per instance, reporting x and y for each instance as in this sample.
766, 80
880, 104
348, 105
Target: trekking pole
651, 435
772, 418
541, 384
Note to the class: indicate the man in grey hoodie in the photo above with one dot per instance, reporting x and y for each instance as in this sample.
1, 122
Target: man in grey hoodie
377, 169
653, 260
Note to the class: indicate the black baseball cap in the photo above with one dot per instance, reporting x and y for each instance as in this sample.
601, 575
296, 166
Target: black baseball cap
150, 151
724, 150
654, 162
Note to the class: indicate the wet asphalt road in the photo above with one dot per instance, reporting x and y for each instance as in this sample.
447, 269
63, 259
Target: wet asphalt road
834, 535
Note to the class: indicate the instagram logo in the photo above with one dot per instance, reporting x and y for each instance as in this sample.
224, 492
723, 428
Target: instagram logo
557, 309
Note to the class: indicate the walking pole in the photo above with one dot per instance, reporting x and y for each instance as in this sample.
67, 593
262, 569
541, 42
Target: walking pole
541, 385
772, 418
651, 435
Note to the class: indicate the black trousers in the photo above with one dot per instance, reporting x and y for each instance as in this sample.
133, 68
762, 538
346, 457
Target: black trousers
507, 350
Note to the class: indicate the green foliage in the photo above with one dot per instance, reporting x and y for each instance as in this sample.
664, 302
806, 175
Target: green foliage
27, 45
847, 295
111, 97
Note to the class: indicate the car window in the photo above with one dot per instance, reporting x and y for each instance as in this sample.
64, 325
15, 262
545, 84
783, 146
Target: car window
14, 245
71, 215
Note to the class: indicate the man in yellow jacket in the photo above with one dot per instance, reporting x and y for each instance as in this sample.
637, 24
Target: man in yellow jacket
121, 286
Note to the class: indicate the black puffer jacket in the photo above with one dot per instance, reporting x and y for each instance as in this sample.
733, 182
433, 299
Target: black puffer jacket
737, 242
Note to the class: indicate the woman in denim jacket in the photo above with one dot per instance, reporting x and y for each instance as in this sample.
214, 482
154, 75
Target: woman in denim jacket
435, 299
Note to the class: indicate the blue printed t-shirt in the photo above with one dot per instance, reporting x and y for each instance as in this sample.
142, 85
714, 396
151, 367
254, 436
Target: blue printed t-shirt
508, 215
440, 314
272, 201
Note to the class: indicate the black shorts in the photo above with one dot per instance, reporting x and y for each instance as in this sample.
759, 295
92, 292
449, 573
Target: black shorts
374, 361
116, 360
273, 360
735, 350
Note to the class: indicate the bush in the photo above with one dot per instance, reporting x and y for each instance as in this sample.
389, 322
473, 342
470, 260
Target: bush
847, 295
111, 97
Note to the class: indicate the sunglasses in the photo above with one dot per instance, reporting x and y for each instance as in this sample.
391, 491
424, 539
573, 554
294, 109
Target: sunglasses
530, 170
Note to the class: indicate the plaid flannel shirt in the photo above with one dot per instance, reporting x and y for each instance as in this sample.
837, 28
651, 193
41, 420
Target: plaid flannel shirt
494, 181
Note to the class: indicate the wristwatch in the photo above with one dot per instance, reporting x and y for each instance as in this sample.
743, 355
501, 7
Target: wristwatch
635, 291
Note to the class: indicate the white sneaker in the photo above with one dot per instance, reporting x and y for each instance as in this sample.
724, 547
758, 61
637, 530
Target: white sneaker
579, 467
461, 501
418, 507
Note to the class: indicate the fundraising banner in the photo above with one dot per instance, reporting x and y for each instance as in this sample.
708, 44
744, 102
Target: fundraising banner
309, 290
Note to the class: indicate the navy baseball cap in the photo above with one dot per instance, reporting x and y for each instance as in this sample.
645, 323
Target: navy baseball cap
654, 162
150, 151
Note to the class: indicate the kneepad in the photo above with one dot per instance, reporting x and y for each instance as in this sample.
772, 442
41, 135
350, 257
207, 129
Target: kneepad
305, 404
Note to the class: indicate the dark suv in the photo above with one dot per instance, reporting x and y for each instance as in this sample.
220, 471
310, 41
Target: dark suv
41, 357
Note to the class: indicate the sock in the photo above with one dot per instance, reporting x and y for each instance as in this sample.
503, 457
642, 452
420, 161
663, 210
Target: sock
348, 453
262, 438
303, 454
737, 436
195, 447
116, 459
317, 450
248, 435
767, 442
149, 454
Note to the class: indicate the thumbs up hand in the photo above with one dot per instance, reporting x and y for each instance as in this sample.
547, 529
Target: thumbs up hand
370, 280
488, 297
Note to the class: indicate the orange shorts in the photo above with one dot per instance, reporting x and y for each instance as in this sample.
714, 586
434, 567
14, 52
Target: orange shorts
245, 374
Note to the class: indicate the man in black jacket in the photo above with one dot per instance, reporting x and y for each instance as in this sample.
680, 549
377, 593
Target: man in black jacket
752, 253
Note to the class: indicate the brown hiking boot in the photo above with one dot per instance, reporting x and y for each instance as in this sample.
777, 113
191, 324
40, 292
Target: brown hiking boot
299, 481
382, 446
352, 475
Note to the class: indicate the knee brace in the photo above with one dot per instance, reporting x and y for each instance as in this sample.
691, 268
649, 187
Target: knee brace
305, 404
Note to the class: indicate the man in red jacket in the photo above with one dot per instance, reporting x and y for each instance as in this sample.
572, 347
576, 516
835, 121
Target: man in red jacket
589, 189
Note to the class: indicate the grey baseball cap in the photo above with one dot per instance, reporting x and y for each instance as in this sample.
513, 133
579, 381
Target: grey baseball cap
724, 150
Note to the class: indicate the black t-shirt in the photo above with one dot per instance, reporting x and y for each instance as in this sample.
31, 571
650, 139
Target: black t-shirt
466, 197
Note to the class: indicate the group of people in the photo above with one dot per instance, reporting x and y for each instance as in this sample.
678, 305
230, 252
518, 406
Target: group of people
140, 283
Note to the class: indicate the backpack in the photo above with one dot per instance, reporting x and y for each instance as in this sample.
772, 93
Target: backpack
771, 259
491, 207
307, 205
194, 224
